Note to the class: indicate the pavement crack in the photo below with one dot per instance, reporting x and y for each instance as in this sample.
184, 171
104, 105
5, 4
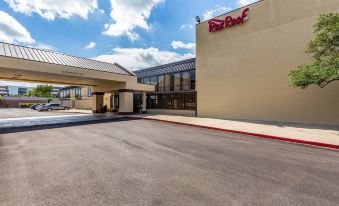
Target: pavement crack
126, 142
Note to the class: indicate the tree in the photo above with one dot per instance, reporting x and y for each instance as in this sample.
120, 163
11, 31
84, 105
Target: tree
41, 91
324, 48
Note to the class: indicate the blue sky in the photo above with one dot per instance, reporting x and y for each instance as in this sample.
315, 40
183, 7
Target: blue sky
133, 33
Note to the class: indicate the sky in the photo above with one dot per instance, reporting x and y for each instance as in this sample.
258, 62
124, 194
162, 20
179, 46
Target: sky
134, 33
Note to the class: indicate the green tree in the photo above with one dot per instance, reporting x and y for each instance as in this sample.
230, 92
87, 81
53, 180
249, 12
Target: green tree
41, 91
324, 48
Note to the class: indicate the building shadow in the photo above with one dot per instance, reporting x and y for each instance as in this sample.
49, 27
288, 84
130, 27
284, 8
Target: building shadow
59, 125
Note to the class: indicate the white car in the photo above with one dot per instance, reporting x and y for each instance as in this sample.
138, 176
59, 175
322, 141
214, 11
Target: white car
52, 106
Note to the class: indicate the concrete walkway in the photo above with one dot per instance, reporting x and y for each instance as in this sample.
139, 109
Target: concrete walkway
312, 134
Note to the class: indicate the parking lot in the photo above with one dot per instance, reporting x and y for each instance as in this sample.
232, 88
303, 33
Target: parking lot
20, 113
139, 162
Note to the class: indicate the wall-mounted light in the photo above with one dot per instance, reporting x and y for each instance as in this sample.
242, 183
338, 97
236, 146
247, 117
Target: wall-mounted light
198, 19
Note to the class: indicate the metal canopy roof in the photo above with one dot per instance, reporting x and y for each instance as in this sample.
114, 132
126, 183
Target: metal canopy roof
185, 65
52, 57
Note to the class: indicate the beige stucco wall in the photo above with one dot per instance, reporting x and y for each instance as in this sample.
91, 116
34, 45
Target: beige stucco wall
83, 103
67, 103
242, 72
125, 102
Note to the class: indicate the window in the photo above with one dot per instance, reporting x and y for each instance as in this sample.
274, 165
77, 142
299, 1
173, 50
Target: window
140, 80
78, 93
154, 80
176, 82
160, 87
178, 101
185, 81
151, 101
168, 82
68, 94
164, 101
89, 91
65, 94
146, 80
190, 101
192, 74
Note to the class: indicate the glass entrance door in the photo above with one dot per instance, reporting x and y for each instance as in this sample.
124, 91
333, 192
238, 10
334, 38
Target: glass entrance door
137, 102
116, 103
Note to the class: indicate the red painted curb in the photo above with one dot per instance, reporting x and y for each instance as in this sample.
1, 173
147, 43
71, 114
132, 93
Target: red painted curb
318, 144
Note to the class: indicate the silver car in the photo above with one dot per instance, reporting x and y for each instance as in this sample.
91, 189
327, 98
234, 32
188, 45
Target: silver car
52, 106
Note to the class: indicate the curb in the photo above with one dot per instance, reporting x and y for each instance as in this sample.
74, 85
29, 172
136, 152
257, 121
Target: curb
293, 140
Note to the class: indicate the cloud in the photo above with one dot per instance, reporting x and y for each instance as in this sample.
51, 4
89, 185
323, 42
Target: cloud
52, 9
12, 31
186, 26
208, 14
182, 45
43, 46
137, 58
246, 2
90, 45
128, 15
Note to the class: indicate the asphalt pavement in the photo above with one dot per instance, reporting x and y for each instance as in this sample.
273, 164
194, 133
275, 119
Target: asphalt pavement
140, 162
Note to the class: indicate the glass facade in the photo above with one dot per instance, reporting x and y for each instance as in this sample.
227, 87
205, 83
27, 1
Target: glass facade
175, 82
178, 101
172, 90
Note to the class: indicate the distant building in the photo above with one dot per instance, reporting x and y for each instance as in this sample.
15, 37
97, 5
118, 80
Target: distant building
3, 91
76, 97
56, 91
18, 90
21, 102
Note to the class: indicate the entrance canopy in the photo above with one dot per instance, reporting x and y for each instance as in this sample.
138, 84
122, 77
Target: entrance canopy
19, 63
25, 64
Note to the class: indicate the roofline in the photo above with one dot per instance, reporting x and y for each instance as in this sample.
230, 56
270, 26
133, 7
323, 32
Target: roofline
46, 50
259, 1
123, 68
165, 65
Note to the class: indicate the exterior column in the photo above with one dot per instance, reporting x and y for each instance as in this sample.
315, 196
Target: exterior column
144, 100
97, 101
125, 102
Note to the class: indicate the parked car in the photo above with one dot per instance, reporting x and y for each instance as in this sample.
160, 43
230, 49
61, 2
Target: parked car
33, 106
49, 107
38, 106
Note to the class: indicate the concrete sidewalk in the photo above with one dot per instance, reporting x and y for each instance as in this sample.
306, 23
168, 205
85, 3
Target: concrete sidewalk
312, 134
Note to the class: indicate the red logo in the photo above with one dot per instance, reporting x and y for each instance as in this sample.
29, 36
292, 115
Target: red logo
218, 24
